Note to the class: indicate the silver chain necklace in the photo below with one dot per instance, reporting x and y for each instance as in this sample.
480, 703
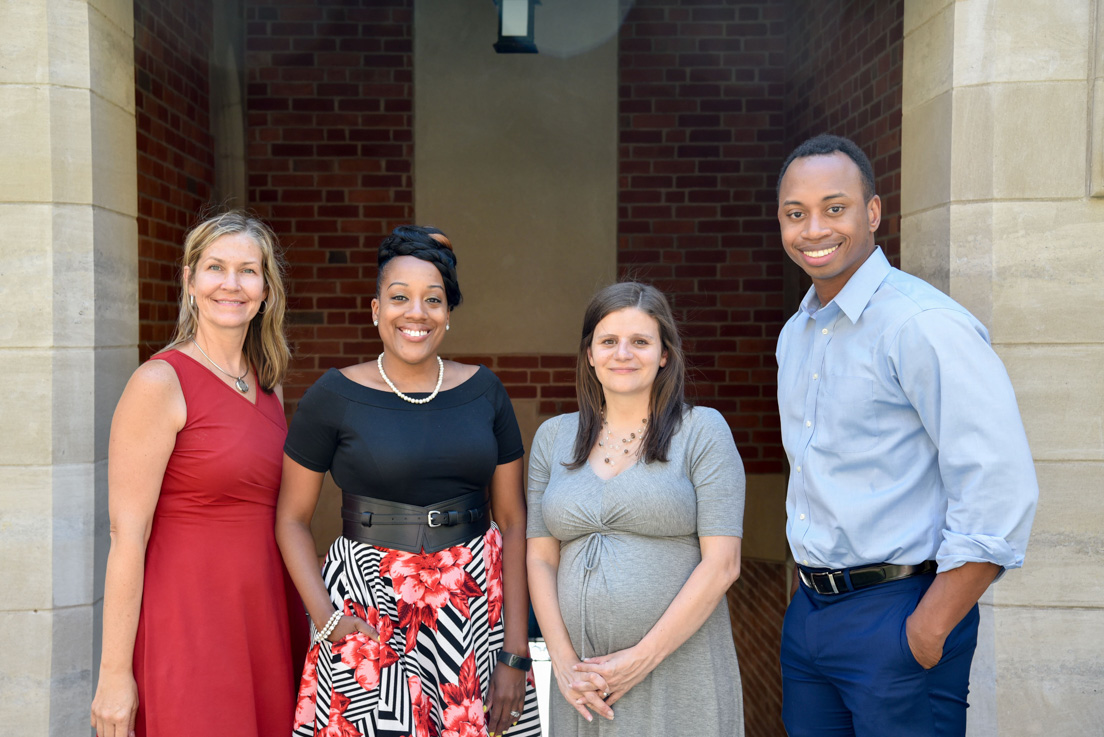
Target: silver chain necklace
238, 380
440, 379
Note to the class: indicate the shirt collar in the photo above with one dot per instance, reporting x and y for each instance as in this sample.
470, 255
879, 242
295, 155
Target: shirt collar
857, 292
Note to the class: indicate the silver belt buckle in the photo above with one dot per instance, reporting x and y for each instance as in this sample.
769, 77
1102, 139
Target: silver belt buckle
429, 518
832, 580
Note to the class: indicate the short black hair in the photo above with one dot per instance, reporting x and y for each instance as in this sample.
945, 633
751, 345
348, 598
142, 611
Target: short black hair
419, 241
824, 145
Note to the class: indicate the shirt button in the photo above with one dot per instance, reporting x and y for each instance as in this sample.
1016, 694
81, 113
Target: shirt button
804, 561
816, 376
802, 516
824, 331
799, 469
808, 423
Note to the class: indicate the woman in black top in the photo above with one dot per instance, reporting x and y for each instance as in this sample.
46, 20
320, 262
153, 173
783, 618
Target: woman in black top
422, 601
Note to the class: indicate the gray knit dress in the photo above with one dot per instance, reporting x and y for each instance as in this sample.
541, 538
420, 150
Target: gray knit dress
627, 545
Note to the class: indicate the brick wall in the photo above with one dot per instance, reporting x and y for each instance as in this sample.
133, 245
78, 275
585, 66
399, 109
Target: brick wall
701, 137
845, 78
330, 160
175, 152
756, 606
547, 378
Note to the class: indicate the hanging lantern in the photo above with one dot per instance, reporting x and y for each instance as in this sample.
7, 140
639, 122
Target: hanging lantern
515, 27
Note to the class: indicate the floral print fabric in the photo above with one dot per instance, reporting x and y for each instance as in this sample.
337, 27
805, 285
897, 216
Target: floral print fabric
439, 620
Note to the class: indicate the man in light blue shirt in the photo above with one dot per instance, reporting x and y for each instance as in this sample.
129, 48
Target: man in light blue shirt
911, 482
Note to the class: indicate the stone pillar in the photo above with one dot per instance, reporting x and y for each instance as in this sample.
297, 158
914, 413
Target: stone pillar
1001, 179
68, 296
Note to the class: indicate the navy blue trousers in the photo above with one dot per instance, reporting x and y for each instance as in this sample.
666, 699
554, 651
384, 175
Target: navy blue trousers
847, 668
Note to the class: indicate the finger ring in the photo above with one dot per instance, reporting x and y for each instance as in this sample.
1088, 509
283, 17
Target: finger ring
515, 714
605, 694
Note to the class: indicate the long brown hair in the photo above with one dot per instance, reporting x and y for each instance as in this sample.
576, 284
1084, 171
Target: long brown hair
668, 400
266, 344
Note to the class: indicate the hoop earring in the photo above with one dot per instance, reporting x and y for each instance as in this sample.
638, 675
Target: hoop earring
264, 306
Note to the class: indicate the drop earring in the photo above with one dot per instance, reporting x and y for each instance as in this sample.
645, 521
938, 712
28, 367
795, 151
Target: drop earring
375, 323
446, 327
191, 300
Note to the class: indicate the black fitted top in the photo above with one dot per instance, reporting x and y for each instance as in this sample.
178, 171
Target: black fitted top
380, 446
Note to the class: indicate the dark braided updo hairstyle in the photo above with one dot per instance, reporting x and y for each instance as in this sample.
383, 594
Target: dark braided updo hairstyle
425, 243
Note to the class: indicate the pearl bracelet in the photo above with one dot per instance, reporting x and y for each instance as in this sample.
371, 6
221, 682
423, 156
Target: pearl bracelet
331, 624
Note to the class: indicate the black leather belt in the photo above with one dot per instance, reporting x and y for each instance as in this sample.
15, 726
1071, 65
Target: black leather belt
410, 528
840, 581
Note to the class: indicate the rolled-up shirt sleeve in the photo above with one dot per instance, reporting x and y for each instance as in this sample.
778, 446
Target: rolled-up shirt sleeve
965, 401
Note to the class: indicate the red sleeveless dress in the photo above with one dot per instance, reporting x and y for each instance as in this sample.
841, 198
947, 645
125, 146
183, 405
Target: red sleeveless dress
213, 653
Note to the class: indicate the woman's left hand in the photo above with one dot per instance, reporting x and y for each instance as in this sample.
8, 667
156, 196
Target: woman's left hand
618, 672
505, 694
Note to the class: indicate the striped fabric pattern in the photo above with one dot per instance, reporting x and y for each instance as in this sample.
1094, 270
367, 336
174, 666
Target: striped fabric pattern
439, 619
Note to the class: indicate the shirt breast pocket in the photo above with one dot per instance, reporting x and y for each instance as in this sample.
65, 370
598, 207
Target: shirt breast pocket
846, 416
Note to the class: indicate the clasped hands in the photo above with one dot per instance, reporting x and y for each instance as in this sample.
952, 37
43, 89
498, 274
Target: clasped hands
596, 683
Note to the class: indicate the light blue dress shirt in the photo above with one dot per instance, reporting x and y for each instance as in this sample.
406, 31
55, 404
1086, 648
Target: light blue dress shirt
902, 431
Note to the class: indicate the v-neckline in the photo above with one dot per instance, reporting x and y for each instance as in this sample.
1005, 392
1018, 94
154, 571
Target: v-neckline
615, 476
232, 390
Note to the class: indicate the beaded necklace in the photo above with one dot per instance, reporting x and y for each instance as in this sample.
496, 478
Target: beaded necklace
387, 380
611, 447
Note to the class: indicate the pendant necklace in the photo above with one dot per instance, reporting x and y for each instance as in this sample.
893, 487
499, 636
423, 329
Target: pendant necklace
611, 447
238, 380
387, 380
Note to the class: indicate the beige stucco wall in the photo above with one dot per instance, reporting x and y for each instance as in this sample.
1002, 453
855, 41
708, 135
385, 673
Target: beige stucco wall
515, 157
1002, 158
68, 294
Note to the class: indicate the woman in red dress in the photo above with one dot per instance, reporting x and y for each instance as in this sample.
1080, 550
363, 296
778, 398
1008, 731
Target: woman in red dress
198, 623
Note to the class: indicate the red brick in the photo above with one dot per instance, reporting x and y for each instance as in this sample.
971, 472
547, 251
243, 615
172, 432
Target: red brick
557, 391
518, 362
513, 377
567, 361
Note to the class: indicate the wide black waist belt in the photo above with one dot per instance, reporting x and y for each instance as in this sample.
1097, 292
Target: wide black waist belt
840, 581
406, 527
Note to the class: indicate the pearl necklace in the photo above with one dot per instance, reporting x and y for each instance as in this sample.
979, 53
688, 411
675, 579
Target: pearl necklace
238, 380
610, 446
440, 378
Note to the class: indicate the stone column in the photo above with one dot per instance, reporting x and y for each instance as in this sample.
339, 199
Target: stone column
1001, 179
68, 296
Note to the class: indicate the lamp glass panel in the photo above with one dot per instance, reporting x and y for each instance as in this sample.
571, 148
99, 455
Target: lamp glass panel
515, 17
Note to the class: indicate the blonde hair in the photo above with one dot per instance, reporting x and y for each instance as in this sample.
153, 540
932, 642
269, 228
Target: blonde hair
266, 346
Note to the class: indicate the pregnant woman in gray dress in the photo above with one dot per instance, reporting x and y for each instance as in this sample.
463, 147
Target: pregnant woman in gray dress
635, 518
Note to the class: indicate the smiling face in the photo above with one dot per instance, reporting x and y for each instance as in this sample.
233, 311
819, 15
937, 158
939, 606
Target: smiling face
227, 283
827, 228
626, 352
411, 309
